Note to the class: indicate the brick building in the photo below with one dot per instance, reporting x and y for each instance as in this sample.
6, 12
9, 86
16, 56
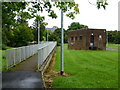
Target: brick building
87, 39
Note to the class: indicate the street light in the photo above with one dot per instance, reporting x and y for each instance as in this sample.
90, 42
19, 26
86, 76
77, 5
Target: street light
38, 26
47, 30
62, 45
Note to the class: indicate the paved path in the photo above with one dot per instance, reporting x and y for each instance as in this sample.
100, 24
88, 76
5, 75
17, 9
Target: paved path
28, 65
115, 49
23, 76
22, 79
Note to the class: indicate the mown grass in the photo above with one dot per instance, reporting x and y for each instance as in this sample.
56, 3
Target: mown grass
112, 45
3, 59
88, 69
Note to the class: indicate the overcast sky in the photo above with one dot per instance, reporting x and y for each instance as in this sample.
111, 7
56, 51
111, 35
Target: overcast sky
90, 16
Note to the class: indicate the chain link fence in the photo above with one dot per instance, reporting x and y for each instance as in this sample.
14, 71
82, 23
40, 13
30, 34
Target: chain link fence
44, 52
17, 55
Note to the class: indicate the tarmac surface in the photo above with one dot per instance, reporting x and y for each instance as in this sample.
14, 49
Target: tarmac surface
23, 76
113, 49
22, 79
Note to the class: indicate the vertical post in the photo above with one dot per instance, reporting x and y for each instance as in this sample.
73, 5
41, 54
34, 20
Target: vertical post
107, 37
38, 59
47, 35
38, 26
62, 45
38, 32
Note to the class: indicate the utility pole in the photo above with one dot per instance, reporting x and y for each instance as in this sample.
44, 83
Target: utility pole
38, 28
38, 32
47, 35
62, 45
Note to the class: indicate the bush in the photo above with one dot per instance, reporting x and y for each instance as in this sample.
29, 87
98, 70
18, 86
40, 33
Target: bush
4, 47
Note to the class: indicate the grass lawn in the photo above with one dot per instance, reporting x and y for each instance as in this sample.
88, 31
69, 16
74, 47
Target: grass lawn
3, 59
88, 69
112, 45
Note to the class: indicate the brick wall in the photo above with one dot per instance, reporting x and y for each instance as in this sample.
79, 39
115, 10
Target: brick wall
80, 39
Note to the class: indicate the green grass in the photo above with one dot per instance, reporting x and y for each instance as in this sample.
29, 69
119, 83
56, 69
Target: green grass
88, 69
3, 59
112, 45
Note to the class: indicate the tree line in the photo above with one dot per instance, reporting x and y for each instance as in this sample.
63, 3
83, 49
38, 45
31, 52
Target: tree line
113, 37
15, 16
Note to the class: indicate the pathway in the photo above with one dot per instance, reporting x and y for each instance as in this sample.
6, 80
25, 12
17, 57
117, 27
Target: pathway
115, 49
23, 76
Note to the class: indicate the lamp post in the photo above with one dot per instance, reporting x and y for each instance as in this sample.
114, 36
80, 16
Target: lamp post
62, 45
38, 32
47, 30
38, 28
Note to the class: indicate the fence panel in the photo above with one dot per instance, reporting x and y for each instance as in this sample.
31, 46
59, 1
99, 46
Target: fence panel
17, 55
44, 51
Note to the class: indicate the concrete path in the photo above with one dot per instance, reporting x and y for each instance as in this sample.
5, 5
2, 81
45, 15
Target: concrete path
115, 49
22, 79
28, 65
23, 75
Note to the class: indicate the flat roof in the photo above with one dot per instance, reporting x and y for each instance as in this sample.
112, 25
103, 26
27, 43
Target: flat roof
86, 29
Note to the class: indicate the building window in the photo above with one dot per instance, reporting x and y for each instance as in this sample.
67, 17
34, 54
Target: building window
100, 36
80, 37
76, 38
72, 38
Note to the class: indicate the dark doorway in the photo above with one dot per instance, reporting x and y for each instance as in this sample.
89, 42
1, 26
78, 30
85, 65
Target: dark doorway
91, 42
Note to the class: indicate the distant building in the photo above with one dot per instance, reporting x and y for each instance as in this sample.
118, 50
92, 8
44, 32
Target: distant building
52, 29
87, 39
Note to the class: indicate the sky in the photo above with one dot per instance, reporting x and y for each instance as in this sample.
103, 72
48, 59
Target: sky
89, 15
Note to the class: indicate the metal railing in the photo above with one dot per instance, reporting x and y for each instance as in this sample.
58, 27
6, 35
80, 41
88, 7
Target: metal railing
44, 52
17, 55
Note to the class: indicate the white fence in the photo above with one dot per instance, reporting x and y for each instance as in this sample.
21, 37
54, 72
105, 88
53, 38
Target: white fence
16, 55
44, 52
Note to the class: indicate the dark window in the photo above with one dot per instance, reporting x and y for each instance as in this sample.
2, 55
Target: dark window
71, 38
75, 38
80, 37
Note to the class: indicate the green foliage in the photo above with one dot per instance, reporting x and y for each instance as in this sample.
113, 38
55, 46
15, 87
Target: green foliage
101, 3
56, 36
114, 37
109, 45
23, 35
37, 21
76, 25
15, 13
9, 12
3, 47
87, 69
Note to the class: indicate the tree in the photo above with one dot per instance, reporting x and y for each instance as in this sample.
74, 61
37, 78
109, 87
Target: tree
11, 10
56, 36
23, 35
9, 22
113, 37
76, 25
39, 19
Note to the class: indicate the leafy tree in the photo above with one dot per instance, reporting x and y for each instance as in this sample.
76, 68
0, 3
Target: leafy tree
114, 36
76, 25
14, 14
23, 35
9, 24
37, 21
56, 36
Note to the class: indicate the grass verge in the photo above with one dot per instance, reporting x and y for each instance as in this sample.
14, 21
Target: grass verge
112, 45
87, 69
